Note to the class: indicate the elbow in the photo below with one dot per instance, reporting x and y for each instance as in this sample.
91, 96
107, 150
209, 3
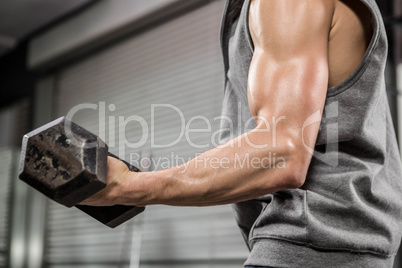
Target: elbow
290, 165
297, 164
296, 176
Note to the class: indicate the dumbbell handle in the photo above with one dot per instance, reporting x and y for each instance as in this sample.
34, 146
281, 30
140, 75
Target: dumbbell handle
113, 216
130, 167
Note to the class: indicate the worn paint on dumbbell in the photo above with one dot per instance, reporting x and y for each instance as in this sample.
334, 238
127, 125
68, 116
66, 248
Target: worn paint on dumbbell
68, 173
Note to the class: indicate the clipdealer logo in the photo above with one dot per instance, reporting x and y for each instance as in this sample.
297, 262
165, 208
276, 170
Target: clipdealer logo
146, 133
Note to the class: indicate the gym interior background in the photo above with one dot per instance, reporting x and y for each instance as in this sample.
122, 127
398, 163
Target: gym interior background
122, 56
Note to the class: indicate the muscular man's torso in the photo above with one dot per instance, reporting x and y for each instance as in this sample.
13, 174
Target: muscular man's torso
349, 38
350, 202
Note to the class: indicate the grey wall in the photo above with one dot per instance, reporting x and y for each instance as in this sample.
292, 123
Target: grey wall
102, 21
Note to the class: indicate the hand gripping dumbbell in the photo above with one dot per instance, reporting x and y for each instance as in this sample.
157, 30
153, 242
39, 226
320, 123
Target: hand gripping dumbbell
68, 164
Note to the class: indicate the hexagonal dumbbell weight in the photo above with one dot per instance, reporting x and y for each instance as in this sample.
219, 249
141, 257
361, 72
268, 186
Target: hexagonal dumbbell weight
68, 164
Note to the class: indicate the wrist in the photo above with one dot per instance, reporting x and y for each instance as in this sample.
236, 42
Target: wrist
138, 189
159, 187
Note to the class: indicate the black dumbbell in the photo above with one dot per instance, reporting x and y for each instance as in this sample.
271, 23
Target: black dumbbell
68, 164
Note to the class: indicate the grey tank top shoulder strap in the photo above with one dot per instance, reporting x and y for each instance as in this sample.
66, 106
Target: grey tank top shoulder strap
232, 11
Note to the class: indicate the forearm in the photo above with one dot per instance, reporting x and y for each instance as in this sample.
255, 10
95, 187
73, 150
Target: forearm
235, 172
267, 159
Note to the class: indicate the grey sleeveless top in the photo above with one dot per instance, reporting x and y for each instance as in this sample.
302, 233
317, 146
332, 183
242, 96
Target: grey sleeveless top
349, 211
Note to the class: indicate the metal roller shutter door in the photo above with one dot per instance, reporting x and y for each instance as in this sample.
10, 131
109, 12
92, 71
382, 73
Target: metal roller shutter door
14, 119
177, 63
7, 172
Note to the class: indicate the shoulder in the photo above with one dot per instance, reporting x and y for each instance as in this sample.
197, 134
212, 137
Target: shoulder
290, 19
318, 7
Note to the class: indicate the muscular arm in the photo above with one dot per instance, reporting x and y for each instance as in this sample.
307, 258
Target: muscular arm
287, 83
